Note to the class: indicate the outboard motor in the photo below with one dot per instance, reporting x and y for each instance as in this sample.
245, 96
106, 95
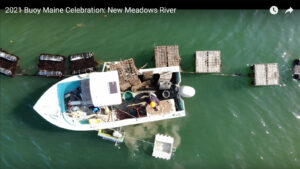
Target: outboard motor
186, 91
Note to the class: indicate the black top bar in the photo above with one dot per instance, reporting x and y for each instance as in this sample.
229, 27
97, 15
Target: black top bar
179, 4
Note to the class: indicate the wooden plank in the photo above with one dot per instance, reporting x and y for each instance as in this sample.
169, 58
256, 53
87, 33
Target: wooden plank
173, 56
259, 75
160, 56
170, 55
272, 74
214, 62
201, 62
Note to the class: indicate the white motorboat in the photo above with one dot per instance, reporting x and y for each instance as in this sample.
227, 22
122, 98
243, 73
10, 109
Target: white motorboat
94, 101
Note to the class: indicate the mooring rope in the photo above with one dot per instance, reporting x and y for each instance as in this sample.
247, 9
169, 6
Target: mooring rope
145, 65
135, 138
36, 75
27, 69
152, 144
184, 72
221, 74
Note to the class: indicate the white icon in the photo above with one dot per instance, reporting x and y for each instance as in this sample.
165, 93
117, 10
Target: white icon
273, 10
290, 10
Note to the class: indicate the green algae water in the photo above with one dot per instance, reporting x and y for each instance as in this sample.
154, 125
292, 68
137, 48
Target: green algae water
229, 123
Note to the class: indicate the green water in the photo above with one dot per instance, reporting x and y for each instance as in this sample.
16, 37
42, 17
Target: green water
229, 123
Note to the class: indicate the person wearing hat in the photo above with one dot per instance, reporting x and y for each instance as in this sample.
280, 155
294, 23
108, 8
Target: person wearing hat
153, 101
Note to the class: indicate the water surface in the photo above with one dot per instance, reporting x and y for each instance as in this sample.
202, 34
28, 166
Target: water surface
229, 123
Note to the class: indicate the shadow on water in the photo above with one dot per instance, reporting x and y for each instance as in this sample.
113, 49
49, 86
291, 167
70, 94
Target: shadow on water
187, 62
25, 112
149, 149
239, 79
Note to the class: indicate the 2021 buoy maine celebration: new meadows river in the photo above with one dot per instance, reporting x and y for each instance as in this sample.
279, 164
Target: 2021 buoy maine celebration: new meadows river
54, 10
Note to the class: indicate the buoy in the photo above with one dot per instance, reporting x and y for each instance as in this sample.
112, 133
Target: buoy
187, 91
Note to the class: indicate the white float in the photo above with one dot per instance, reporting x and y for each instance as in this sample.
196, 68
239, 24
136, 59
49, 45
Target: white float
163, 147
187, 91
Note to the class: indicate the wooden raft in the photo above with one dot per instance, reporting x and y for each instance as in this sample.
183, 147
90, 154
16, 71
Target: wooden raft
51, 65
8, 63
82, 63
166, 56
208, 61
266, 74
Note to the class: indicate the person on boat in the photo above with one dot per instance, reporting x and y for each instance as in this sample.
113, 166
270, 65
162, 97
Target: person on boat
153, 101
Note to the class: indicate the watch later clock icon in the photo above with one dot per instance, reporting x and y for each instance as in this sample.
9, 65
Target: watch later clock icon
273, 10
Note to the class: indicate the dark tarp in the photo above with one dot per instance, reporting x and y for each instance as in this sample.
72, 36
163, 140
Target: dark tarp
85, 91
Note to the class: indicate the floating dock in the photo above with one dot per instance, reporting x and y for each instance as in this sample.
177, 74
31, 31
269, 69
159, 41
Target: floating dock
166, 56
82, 63
51, 65
208, 61
266, 74
8, 63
